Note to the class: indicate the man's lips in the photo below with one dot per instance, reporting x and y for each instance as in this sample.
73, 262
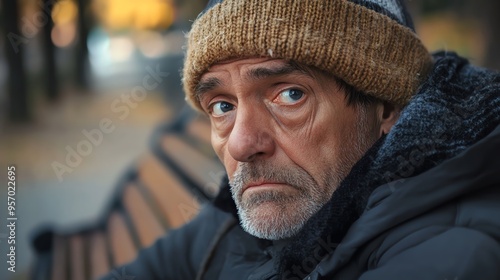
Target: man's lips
263, 184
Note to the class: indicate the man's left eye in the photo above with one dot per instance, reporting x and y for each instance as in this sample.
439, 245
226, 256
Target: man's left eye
291, 96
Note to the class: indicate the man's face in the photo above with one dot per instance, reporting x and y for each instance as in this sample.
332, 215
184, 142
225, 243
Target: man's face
286, 138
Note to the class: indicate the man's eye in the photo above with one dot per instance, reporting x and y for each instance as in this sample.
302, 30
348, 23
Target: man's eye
219, 108
291, 96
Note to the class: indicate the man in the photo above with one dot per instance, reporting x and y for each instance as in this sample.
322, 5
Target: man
351, 152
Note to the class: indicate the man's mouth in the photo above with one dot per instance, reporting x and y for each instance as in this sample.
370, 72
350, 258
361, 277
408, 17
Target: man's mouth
262, 185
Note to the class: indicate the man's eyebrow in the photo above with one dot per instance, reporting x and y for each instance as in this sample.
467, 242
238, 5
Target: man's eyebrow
206, 85
285, 69
210, 84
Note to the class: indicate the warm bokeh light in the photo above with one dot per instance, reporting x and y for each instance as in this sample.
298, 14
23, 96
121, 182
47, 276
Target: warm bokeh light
145, 14
121, 48
64, 16
150, 43
63, 35
64, 12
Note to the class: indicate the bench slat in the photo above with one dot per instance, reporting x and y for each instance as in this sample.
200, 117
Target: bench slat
200, 129
99, 262
122, 245
176, 203
77, 257
206, 172
146, 225
59, 266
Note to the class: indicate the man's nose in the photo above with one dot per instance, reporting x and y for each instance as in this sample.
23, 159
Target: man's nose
250, 137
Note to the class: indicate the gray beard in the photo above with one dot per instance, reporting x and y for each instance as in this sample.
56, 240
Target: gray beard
275, 215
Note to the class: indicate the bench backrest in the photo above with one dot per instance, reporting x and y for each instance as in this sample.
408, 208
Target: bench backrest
161, 191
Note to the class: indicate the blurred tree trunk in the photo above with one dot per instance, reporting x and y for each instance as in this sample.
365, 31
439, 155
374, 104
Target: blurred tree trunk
487, 13
51, 84
188, 10
18, 106
493, 24
81, 48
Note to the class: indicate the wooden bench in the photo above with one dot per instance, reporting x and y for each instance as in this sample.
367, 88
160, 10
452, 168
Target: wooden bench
161, 191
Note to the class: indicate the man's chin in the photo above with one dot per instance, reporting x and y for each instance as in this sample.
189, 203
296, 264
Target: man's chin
271, 221
275, 213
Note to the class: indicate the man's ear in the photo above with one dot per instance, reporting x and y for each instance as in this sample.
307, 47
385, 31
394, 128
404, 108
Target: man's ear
387, 114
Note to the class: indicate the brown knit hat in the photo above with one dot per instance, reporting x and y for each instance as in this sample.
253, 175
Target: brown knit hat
370, 44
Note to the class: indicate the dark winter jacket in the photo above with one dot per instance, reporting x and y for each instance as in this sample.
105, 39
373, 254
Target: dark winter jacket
423, 203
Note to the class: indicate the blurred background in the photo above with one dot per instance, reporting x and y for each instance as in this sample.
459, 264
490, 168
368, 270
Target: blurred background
71, 70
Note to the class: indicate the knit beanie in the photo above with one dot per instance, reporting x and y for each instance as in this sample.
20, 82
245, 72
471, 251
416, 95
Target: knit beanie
369, 44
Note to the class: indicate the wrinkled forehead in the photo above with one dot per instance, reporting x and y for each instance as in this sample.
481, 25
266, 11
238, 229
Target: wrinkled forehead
264, 66
245, 61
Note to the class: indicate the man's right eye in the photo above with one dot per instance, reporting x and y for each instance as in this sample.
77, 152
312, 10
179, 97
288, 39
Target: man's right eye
221, 107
